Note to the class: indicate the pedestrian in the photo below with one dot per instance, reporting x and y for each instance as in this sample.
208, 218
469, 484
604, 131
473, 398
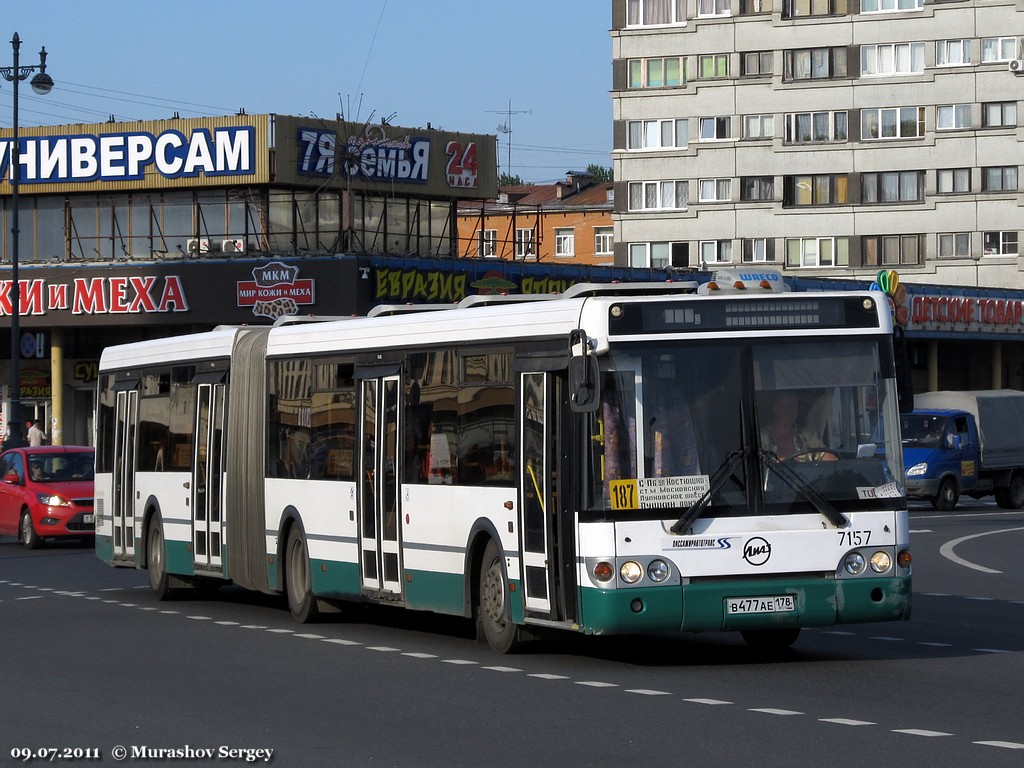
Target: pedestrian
36, 436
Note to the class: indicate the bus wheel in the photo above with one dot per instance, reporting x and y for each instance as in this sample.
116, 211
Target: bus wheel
770, 639
297, 581
947, 496
493, 609
27, 532
156, 561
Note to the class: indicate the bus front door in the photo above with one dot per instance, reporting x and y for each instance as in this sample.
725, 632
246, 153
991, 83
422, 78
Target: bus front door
538, 491
207, 476
380, 553
122, 509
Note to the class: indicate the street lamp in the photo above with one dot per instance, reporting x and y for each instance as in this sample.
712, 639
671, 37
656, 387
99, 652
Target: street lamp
42, 84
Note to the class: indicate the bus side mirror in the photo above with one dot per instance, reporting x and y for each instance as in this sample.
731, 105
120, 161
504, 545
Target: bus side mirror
583, 387
584, 390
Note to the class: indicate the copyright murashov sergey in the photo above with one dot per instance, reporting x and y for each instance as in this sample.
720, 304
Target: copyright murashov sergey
187, 752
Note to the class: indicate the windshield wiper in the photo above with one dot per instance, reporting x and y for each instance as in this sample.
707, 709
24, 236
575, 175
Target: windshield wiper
723, 473
825, 507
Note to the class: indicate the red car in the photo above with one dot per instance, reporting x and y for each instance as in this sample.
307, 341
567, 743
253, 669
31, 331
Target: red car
47, 492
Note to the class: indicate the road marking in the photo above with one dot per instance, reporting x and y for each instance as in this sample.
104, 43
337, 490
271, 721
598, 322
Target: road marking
546, 676
712, 702
920, 732
946, 550
844, 721
1003, 744
30, 597
341, 641
648, 692
596, 684
415, 655
990, 650
381, 648
503, 669
457, 661
309, 636
768, 711
200, 618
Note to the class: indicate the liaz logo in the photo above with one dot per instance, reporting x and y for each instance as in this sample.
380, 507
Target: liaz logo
757, 551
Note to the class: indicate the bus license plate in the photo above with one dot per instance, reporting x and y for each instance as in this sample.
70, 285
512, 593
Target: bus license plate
772, 604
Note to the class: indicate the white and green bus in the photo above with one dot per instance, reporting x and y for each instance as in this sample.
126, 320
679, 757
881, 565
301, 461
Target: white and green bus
601, 461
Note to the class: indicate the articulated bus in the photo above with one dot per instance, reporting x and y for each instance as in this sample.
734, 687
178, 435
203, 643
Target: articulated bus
621, 458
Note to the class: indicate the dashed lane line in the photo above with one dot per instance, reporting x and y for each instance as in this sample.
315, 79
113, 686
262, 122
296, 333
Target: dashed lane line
920, 732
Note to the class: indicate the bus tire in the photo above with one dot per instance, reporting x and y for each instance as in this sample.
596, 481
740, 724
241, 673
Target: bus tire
1012, 496
298, 584
27, 532
493, 603
947, 496
770, 639
156, 560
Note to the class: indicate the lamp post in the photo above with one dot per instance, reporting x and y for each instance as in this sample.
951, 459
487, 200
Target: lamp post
42, 84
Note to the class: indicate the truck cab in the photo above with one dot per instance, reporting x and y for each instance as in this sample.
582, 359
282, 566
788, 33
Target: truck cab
940, 454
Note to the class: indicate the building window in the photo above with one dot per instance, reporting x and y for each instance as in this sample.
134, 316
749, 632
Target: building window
715, 190
885, 6
659, 255
1001, 243
892, 187
758, 126
714, 7
657, 73
525, 247
999, 114
951, 117
823, 189
998, 49
712, 65
757, 188
954, 245
999, 178
818, 252
603, 241
658, 195
815, 127
565, 242
892, 250
655, 13
893, 59
892, 123
758, 249
715, 128
657, 134
952, 181
487, 243
756, 63
951, 53
751, 7
813, 64
715, 252
794, 9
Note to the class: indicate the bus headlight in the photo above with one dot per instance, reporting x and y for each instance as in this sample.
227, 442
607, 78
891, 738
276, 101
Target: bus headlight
631, 572
881, 562
918, 469
658, 571
854, 563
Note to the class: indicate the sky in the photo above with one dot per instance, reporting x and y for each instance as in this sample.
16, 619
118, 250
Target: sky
535, 73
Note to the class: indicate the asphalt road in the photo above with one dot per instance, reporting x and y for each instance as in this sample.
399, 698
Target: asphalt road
93, 662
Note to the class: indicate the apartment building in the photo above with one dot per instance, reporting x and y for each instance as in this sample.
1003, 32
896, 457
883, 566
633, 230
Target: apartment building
829, 138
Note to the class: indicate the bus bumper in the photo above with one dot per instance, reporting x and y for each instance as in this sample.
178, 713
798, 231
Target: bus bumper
819, 602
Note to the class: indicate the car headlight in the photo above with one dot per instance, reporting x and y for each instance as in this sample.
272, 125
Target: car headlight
52, 500
658, 571
918, 469
630, 571
854, 563
881, 562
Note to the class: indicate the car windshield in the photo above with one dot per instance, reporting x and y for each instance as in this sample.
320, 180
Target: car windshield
922, 430
702, 429
60, 467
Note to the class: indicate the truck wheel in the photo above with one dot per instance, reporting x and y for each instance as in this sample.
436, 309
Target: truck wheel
1012, 497
947, 496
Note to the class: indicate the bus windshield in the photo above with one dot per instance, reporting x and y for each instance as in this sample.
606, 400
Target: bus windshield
744, 428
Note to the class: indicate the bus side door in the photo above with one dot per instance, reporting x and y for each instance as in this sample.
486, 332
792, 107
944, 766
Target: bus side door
380, 555
126, 415
207, 476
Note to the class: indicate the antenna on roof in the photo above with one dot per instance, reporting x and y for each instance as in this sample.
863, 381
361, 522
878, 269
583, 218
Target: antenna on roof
506, 127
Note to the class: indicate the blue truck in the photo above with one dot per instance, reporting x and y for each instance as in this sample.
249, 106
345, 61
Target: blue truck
971, 443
